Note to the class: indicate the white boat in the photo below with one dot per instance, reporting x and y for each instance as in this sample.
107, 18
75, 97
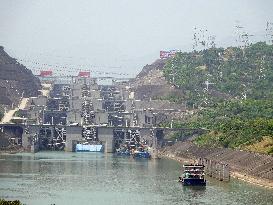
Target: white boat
89, 148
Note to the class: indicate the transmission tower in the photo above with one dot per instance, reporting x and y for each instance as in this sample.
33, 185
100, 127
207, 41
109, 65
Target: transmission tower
243, 38
202, 39
269, 33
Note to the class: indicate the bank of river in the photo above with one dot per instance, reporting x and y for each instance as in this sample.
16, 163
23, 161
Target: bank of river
238, 175
90, 178
250, 167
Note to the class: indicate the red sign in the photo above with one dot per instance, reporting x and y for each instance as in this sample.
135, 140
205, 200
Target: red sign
84, 74
168, 54
46, 73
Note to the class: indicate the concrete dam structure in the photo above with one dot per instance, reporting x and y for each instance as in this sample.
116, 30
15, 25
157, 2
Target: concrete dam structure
77, 110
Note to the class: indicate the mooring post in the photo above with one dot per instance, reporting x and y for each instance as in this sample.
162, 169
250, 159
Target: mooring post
226, 173
210, 168
220, 171
214, 169
215, 173
206, 165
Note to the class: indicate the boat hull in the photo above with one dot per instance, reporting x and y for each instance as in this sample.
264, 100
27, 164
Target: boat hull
194, 182
127, 154
145, 155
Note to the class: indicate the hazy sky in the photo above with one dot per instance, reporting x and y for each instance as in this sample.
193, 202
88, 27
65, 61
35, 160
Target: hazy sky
119, 35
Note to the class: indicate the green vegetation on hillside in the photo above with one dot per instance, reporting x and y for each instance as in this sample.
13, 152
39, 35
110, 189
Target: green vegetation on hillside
233, 72
237, 109
5, 202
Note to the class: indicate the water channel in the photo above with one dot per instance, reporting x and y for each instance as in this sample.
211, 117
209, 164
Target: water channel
95, 178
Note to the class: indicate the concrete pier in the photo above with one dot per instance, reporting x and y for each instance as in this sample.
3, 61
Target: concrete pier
73, 134
216, 169
105, 135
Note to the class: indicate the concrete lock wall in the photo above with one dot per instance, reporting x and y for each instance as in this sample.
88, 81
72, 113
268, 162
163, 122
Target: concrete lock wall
97, 104
146, 118
128, 105
38, 101
76, 90
73, 133
94, 87
75, 103
73, 116
33, 114
95, 94
26, 136
146, 134
101, 118
105, 135
25, 140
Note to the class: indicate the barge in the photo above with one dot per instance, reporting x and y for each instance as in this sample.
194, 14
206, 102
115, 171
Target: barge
193, 175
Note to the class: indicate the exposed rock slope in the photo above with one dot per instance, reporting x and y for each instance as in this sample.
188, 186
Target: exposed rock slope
15, 80
151, 84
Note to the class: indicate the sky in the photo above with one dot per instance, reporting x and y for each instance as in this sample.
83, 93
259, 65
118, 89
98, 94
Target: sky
119, 36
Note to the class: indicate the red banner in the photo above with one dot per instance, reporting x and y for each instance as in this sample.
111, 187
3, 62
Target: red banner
46, 73
168, 54
84, 74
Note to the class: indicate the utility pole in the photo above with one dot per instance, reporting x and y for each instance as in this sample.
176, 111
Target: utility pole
207, 83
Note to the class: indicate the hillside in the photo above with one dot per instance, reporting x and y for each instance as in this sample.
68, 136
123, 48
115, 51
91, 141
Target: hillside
218, 74
15, 80
150, 83
245, 165
237, 104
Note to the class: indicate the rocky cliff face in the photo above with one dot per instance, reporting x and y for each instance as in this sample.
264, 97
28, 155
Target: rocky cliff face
15, 80
151, 84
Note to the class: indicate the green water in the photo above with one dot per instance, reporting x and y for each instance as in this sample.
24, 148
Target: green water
94, 178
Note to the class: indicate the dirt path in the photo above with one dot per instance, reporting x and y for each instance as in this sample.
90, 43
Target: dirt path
23, 104
8, 116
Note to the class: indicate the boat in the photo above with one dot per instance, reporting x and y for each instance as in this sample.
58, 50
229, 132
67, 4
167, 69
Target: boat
141, 153
123, 152
89, 147
193, 175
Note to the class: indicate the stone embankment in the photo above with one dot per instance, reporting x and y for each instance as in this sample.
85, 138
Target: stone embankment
251, 167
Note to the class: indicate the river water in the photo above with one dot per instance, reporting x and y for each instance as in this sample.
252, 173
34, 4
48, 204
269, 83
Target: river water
95, 178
